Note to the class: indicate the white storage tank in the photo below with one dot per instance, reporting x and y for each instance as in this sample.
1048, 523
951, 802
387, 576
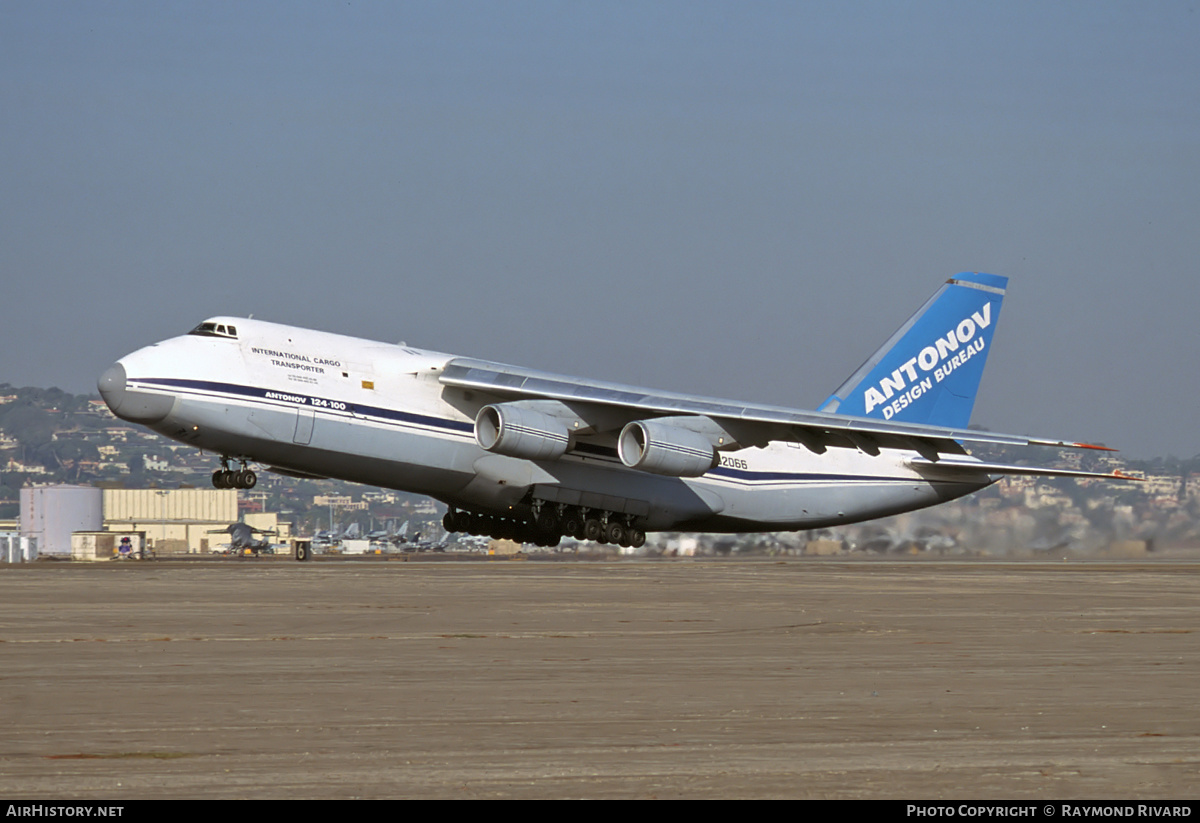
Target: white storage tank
50, 514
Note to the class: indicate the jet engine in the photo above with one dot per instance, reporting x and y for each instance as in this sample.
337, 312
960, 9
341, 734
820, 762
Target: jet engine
661, 448
516, 431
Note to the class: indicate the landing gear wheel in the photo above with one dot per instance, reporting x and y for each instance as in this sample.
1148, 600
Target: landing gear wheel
615, 534
247, 479
593, 530
545, 539
548, 522
462, 522
573, 525
218, 479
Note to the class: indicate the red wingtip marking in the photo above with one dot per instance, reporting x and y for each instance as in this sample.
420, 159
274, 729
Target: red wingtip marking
1092, 446
1124, 476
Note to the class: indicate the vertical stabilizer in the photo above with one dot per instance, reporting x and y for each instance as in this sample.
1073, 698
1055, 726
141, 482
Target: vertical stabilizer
929, 370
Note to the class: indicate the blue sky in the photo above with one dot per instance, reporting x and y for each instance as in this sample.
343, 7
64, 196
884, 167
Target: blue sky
737, 199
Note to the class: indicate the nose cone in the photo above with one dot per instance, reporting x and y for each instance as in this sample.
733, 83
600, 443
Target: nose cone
134, 406
112, 386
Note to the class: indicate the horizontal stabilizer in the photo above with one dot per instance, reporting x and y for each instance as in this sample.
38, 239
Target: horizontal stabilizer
958, 468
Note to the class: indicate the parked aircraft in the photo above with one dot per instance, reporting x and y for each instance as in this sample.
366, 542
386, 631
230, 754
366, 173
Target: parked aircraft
533, 456
242, 539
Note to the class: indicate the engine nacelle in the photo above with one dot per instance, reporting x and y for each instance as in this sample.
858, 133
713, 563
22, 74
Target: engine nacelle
661, 448
520, 432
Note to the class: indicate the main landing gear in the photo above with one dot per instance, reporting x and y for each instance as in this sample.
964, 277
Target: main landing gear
548, 526
226, 478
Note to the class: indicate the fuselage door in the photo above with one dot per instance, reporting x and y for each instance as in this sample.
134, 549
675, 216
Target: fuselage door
304, 426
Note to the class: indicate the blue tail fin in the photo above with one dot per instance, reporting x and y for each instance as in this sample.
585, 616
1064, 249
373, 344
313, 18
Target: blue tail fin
929, 370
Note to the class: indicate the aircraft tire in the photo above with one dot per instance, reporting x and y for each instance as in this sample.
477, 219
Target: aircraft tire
593, 530
247, 479
218, 479
573, 525
462, 522
548, 522
637, 538
615, 534
547, 539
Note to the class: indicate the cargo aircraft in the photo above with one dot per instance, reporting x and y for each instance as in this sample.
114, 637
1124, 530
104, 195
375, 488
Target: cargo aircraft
533, 456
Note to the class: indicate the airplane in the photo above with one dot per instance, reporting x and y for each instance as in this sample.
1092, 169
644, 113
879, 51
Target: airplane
533, 456
241, 538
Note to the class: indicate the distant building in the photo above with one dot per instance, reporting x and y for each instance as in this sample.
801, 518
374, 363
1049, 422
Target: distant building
339, 501
174, 520
14, 465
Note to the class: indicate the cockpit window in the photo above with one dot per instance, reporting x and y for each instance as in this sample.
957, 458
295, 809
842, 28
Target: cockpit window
215, 330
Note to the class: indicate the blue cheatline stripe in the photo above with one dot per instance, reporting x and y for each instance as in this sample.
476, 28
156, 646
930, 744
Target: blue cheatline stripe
810, 477
460, 427
309, 401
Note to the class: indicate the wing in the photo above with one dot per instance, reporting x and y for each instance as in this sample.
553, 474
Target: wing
596, 407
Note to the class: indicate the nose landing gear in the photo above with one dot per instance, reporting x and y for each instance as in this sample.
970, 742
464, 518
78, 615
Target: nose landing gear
226, 478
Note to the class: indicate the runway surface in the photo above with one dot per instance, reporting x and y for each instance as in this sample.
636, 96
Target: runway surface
633, 679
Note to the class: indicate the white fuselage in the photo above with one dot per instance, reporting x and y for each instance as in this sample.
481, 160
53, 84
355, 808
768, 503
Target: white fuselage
328, 405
